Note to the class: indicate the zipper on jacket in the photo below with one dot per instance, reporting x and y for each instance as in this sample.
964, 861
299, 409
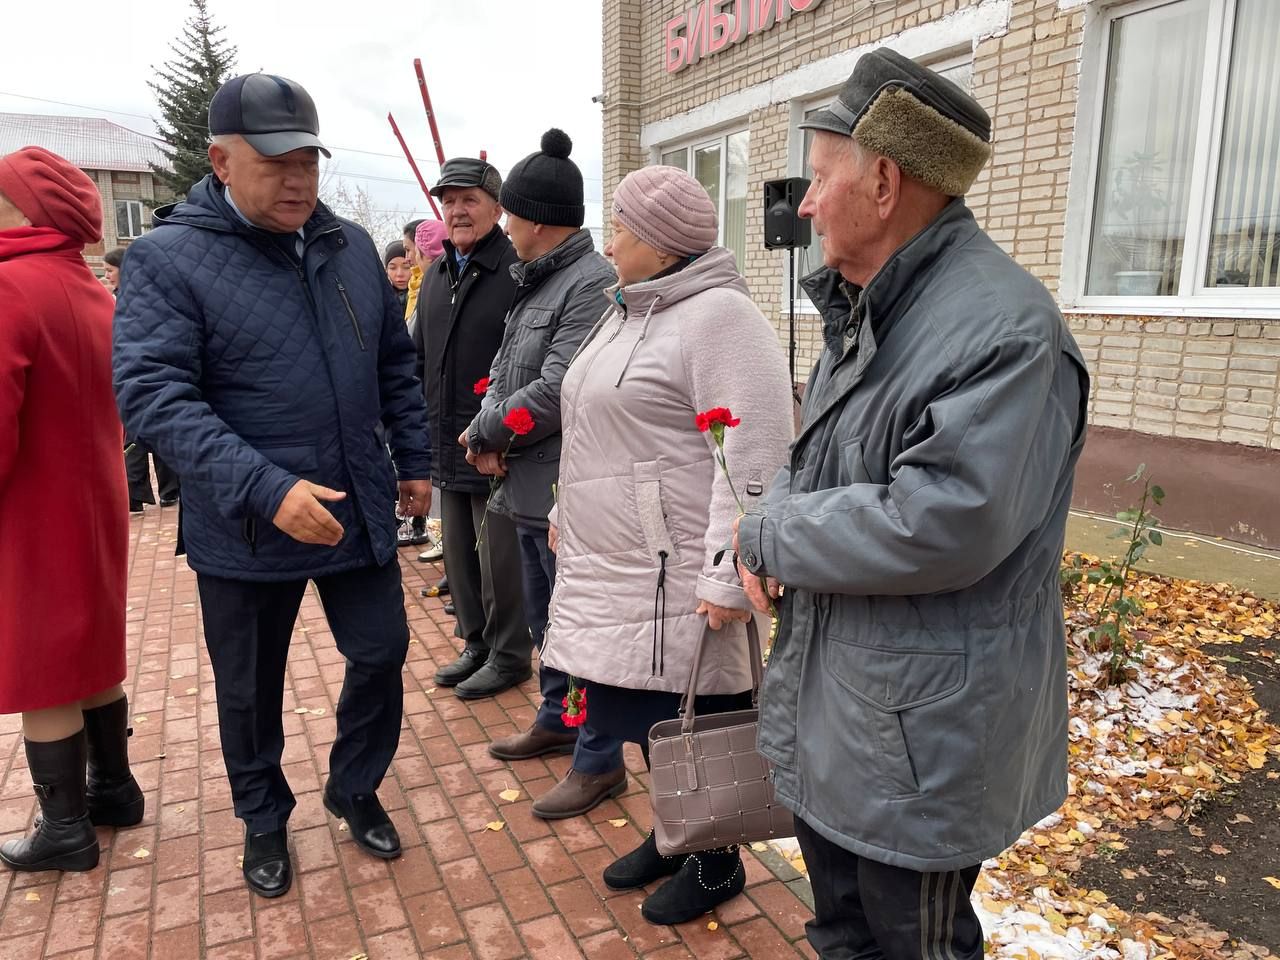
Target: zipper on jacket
355, 325
660, 619
249, 530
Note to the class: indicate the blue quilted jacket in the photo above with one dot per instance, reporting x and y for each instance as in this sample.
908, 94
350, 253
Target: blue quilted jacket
245, 369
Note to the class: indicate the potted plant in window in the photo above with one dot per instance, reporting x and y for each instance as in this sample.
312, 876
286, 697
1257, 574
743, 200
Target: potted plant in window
1138, 197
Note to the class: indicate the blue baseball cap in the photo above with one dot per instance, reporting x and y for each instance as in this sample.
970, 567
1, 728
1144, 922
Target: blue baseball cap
273, 114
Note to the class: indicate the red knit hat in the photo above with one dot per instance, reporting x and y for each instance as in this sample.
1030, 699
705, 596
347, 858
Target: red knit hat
52, 192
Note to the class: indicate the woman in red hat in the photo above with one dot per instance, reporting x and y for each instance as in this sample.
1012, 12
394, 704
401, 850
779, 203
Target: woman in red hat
62, 649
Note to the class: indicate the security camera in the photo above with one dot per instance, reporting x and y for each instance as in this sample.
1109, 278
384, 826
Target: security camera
600, 98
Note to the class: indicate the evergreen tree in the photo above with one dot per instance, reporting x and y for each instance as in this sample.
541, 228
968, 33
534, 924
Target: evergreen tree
202, 62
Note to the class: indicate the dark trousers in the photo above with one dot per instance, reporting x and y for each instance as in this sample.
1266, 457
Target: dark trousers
484, 584
138, 472
247, 625
594, 752
865, 910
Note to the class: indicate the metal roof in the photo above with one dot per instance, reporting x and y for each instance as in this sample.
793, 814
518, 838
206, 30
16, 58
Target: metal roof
91, 143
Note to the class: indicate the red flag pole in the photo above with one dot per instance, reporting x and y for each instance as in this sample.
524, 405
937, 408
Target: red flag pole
431, 114
408, 156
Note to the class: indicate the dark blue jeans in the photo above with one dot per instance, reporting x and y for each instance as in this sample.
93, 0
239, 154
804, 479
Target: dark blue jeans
594, 753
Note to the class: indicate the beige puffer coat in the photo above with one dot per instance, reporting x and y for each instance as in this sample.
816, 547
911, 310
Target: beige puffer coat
643, 507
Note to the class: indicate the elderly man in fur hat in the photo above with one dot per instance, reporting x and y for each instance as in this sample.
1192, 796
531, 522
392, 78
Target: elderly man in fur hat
915, 706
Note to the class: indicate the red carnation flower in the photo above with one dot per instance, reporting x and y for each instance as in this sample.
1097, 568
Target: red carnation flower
519, 421
716, 415
481, 387
575, 705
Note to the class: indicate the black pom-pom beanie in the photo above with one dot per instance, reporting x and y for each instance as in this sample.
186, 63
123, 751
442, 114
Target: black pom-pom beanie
546, 187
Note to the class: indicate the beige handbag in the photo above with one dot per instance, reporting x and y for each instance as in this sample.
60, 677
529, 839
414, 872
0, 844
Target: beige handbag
708, 783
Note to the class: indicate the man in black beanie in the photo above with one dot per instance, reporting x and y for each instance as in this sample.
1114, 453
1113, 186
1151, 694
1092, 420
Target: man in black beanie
560, 285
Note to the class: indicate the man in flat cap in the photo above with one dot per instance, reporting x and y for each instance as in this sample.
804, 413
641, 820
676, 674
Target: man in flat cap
261, 351
462, 310
915, 705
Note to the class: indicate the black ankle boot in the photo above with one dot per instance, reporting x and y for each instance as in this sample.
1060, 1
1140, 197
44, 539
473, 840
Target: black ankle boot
64, 838
641, 866
115, 799
706, 880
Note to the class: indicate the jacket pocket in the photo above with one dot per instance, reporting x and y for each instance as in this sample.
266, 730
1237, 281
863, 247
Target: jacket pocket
852, 467
891, 683
530, 341
299, 459
647, 479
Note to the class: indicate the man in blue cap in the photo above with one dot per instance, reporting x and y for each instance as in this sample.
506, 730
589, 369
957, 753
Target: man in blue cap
260, 350
915, 706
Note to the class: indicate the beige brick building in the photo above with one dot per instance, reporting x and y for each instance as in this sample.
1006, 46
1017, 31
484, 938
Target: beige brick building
117, 158
1136, 171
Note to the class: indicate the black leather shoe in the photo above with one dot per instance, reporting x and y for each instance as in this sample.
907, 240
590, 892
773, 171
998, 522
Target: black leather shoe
641, 867
368, 823
168, 501
266, 867
469, 661
489, 681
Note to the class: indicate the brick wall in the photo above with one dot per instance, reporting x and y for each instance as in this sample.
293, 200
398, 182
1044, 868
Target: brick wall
113, 186
1206, 379
1203, 379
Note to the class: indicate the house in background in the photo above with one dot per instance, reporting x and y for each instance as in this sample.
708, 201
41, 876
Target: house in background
1136, 172
118, 159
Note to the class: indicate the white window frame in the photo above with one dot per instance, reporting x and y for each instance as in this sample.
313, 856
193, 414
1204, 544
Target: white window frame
121, 229
719, 137
942, 59
1201, 300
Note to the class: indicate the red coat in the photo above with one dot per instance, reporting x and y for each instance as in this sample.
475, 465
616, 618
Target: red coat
64, 523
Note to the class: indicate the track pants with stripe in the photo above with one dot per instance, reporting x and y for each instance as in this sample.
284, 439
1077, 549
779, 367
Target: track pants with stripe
865, 910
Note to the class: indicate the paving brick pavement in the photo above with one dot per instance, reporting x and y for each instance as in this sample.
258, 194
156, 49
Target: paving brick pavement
170, 889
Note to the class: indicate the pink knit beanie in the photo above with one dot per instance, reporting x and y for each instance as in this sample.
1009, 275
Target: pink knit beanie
429, 238
668, 210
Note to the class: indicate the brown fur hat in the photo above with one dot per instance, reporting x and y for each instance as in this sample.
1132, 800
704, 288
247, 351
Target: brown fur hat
932, 129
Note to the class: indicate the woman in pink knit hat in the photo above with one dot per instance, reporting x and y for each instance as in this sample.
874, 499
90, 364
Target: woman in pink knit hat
643, 508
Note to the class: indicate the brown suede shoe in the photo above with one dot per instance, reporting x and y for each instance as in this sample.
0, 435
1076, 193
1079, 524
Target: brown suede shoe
535, 742
579, 792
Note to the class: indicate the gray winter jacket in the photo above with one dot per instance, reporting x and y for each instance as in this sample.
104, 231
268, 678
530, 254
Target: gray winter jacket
915, 704
559, 298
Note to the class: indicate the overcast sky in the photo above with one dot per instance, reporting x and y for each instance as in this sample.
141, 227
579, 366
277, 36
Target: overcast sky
500, 72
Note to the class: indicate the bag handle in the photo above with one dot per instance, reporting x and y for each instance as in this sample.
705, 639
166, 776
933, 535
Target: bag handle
753, 654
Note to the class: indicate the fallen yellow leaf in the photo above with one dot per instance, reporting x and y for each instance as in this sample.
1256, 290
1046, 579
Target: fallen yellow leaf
141, 853
192, 690
33, 897
510, 795
318, 712
495, 825
620, 822
759, 847
1273, 881
141, 719
301, 710
713, 925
